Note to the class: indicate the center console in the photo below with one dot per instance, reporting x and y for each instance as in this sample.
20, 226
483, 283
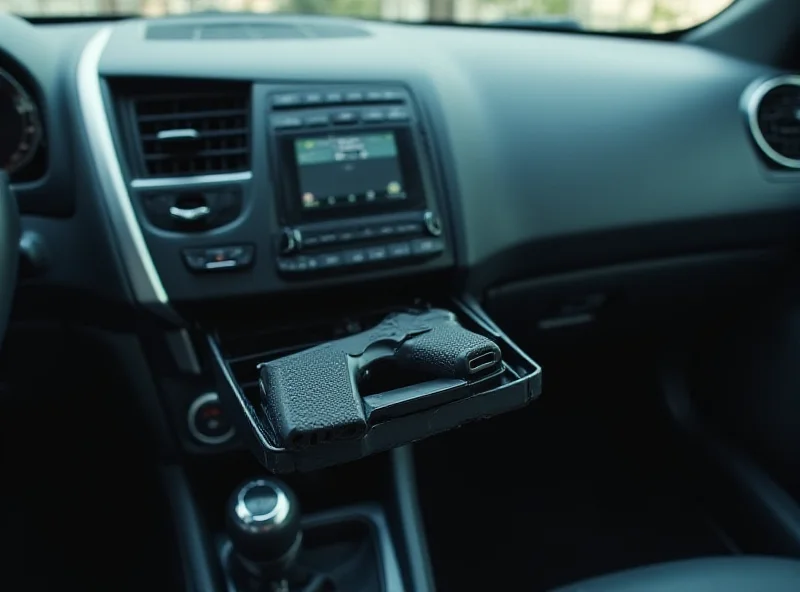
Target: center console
301, 236
256, 189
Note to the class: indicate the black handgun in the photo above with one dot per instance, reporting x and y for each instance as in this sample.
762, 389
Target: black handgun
312, 396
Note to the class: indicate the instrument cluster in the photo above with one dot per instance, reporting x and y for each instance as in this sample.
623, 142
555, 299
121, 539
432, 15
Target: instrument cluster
21, 130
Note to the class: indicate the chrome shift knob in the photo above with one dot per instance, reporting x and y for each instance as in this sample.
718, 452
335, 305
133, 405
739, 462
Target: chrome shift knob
263, 519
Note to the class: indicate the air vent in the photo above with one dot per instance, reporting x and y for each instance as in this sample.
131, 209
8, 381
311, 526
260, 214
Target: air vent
193, 134
248, 30
773, 110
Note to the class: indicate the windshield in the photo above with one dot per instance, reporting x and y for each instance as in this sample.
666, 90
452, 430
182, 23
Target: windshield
649, 16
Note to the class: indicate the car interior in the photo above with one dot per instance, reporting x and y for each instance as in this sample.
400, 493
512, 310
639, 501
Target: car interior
321, 303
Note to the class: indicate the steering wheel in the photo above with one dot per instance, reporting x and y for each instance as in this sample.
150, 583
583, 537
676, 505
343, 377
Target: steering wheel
9, 250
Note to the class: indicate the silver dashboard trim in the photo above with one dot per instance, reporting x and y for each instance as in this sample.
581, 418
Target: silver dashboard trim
144, 278
166, 182
752, 98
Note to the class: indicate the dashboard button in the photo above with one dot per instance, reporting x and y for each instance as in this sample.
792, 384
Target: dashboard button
286, 122
313, 98
392, 95
286, 100
355, 257
329, 260
346, 236
317, 120
287, 264
207, 421
374, 95
302, 263
195, 259
408, 228
397, 114
427, 246
377, 253
328, 239
386, 230
333, 98
310, 241
219, 258
365, 233
354, 96
243, 255
373, 116
399, 250
345, 117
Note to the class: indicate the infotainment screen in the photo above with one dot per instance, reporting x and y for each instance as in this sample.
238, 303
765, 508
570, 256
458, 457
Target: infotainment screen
341, 171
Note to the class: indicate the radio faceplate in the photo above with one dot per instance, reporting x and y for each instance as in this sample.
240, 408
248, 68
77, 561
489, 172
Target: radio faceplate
360, 244
356, 189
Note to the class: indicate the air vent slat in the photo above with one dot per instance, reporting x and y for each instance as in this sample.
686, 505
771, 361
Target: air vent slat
219, 138
231, 132
184, 116
774, 112
201, 154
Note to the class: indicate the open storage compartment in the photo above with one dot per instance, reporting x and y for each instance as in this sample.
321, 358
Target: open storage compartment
413, 408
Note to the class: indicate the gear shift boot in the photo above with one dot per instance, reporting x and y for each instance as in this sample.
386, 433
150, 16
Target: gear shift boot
267, 550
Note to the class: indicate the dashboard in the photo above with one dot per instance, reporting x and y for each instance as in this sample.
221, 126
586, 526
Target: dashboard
188, 160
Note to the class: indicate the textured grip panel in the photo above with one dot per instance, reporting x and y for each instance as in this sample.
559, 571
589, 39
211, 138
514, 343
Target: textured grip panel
445, 350
310, 398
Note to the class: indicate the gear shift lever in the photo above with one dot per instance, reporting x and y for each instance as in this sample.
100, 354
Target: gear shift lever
263, 519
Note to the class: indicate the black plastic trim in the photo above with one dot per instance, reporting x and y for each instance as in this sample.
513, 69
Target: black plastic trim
198, 559
755, 494
418, 568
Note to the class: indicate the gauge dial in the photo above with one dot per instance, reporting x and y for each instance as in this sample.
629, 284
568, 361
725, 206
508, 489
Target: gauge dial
20, 127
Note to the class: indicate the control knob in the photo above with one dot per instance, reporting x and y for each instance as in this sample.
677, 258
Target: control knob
433, 224
291, 240
263, 519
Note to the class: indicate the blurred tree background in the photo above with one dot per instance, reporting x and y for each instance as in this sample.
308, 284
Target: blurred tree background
608, 15
437, 9
364, 8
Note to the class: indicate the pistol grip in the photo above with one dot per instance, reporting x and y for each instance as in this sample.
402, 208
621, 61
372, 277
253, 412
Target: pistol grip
311, 397
448, 351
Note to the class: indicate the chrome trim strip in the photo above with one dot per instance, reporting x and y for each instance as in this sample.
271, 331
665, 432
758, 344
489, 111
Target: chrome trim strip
144, 278
751, 100
189, 181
